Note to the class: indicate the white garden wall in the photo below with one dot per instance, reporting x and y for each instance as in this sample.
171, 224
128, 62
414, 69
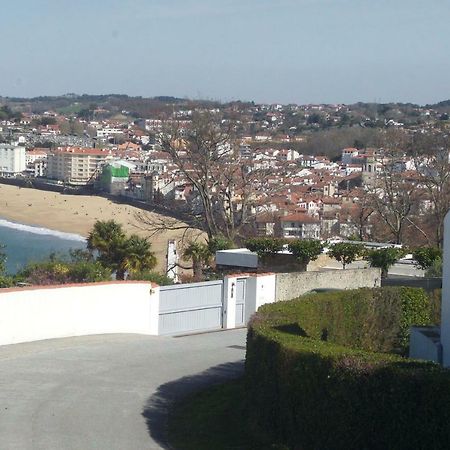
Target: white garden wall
29, 314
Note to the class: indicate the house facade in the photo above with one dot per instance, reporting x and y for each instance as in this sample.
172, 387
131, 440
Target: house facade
300, 226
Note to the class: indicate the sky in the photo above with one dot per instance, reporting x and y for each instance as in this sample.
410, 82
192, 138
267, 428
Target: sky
267, 51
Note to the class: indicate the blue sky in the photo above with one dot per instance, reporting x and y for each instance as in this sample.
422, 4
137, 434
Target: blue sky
302, 51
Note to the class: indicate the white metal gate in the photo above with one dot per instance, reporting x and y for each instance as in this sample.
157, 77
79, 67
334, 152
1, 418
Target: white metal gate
190, 307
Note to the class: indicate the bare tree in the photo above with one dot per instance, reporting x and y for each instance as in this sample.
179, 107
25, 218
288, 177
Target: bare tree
225, 185
394, 194
359, 216
431, 155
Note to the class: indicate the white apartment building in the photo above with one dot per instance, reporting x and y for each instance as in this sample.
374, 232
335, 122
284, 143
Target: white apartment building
76, 165
107, 131
12, 159
300, 226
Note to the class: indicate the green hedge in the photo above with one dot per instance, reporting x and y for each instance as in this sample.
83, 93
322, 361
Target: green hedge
370, 319
308, 391
435, 306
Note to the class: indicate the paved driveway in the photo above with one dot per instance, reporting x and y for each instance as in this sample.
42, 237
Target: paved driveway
105, 392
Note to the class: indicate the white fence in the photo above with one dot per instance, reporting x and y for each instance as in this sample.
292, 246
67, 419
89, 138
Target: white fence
29, 314
35, 313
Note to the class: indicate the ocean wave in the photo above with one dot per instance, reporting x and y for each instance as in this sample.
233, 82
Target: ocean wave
42, 231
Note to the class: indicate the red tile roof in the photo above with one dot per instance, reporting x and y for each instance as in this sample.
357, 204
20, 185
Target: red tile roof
299, 217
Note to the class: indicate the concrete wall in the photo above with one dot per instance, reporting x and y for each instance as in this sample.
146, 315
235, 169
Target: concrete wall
31, 314
292, 285
424, 343
429, 284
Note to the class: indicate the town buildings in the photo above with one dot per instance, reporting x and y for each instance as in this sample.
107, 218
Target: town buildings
294, 193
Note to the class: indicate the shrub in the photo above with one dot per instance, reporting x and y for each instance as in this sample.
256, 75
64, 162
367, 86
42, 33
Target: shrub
219, 243
370, 319
306, 250
435, 270
6, 281
346, 253
155, 277
435, 306
62, 272
427, 256
384, 258
265, 246
309, 391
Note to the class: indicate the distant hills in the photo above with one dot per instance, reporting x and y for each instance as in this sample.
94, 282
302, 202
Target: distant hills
142, 107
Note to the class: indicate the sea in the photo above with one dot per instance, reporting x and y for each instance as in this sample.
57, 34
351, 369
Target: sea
25, 244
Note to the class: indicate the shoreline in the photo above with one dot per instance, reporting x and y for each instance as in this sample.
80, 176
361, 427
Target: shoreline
4, 223
77, 214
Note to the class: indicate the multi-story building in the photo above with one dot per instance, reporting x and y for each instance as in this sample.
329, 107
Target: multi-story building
109, 131
300, 226
76, 165
12, 160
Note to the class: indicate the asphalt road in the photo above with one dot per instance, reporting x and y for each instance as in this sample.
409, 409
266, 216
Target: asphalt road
106, 392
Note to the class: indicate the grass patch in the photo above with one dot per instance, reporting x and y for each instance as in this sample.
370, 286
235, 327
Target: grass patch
212, 419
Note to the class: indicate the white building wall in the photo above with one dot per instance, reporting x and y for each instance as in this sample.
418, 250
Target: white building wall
12, 159
260, 290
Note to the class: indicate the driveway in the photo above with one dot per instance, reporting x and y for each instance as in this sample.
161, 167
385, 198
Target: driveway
106, 392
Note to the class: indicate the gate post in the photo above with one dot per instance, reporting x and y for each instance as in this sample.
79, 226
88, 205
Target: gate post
260, 290
154, 310
229, 301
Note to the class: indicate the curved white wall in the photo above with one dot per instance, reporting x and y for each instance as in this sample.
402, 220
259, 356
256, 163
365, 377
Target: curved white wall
32, 314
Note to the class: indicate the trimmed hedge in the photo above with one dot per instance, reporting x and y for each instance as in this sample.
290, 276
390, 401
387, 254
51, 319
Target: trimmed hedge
307, 390
435, 306
370, 319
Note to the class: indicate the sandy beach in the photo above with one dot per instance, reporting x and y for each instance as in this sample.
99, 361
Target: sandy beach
76, 214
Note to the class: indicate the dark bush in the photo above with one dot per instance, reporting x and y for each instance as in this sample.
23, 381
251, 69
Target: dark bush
435, 306
307, 390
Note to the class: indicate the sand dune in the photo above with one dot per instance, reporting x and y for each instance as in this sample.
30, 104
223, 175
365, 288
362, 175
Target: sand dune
76, 214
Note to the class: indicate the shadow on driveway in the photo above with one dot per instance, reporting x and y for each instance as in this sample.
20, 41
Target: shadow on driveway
158, 405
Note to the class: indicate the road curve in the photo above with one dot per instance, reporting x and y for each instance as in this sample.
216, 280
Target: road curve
106, 392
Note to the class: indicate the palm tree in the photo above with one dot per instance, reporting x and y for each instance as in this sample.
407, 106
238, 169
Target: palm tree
119, 253
137, 256
106, 238
200, 254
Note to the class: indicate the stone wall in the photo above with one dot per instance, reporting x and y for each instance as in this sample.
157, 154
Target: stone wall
292, 285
